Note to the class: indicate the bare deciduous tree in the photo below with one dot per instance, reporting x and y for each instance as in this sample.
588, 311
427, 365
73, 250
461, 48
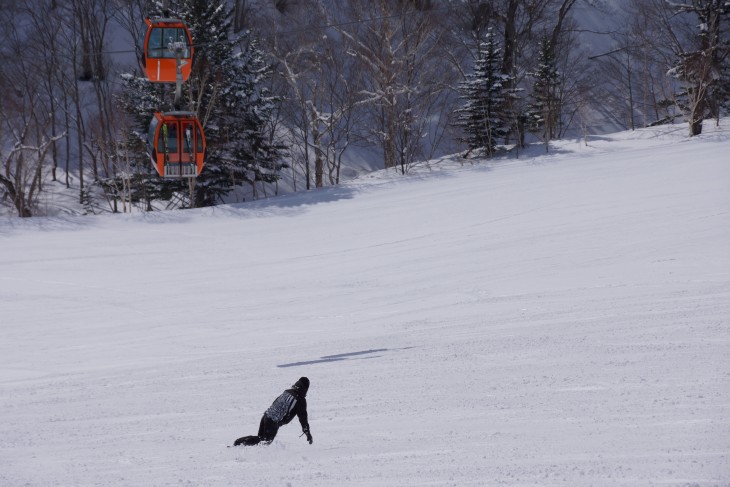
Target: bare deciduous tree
404, 70
23, 163
321, 91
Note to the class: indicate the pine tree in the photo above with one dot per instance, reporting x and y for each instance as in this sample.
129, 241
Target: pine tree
228, 76
243, 116
544, 111
484, 117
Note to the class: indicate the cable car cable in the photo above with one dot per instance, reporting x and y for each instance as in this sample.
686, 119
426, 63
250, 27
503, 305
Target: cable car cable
202, 45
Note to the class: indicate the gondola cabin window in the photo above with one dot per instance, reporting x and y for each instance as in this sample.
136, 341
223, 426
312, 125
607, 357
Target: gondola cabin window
162, 37
168, 139
166, 41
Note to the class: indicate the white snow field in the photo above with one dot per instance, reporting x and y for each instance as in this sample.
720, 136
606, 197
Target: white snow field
558, 319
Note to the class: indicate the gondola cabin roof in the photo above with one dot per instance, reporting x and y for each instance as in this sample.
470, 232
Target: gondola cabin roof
164, 39
176, 144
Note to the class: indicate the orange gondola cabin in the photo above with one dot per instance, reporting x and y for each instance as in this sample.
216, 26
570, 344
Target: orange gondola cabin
163, 40
176, 144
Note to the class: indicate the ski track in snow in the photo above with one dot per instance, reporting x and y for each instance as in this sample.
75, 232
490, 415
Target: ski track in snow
561, 319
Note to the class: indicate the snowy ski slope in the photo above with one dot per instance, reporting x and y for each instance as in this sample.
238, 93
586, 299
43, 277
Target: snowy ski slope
560, 319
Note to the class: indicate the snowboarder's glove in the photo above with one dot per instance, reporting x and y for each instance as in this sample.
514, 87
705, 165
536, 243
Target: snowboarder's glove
309, 436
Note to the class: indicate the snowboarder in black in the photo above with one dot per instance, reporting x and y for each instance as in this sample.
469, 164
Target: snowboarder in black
292, 402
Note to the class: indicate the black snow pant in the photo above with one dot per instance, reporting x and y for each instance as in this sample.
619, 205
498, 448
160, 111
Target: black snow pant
267, 432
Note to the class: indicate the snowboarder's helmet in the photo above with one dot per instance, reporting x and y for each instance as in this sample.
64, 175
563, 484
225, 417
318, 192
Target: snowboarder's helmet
302, 385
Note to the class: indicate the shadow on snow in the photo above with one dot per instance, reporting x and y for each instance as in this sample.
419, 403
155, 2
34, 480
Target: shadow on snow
336, 358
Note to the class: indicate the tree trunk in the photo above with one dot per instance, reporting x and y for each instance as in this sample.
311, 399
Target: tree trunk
508, 61
317, 142
696, 117
389, 149
16, 196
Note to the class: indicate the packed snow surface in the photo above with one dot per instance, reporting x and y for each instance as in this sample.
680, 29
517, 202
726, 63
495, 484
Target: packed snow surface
557, 319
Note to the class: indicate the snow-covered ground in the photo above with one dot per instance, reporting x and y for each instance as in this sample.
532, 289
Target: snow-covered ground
561, 319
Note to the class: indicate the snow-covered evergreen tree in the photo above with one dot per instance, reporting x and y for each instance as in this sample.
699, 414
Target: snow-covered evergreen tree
484, 117
544, 109
242, 117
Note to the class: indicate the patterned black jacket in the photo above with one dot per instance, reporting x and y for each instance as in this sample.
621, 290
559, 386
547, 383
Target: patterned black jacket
292, 402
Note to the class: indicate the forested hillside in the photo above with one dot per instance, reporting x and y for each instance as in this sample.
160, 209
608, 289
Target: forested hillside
298, 94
